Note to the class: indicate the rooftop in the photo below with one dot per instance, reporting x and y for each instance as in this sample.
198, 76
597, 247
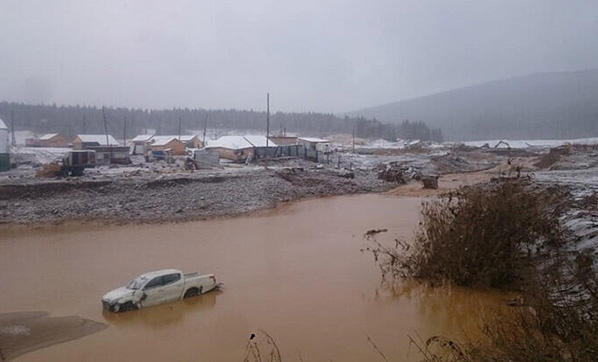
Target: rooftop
142, 138
240, 142
98, 138
313, 140
48, 136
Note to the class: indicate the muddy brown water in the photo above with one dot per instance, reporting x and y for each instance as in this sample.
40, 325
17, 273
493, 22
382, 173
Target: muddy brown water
296, 272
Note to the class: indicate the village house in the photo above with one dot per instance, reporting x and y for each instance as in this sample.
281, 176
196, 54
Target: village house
107, 148
4, 153
159, 144
84, 141
141, 144
311, 143
50, 140
283, 140
240, 148
191, 141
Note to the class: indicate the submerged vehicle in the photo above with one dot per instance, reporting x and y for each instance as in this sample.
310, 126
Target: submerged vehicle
158, 287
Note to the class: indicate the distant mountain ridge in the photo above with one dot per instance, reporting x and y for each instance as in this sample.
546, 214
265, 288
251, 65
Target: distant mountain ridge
557, 105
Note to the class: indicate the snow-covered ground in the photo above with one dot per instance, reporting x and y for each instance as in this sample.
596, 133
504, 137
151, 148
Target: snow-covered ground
531, 143
36, 155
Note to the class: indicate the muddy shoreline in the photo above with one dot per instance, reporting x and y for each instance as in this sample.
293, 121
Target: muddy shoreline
160, 193
173, 197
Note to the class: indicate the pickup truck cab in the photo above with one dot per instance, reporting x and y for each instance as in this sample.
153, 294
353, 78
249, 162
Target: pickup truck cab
158, 287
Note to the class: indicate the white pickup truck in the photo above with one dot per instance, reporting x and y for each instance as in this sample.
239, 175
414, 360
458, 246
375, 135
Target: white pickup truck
158, 287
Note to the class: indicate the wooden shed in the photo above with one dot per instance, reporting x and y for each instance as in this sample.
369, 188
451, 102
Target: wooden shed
191, 141
284, 140
84, 141
111, 154
239, 148
53, 140
163, 143
141, 144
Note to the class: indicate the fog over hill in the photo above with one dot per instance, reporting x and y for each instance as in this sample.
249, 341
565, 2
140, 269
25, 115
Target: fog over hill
557, 105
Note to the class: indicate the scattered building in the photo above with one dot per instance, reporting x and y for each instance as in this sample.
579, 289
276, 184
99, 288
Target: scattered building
106, 155
240, 148
107, 148
283, 140
4, 153
32, 142
52, 140
84, 141
141, 144
314, 143
190, 141
167, 143
3, 137
146, 144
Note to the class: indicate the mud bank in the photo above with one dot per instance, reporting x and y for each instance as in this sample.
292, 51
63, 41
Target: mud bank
175, 197
23, 332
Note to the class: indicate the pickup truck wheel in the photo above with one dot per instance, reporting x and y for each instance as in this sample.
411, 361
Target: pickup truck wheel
127, 307
193, 292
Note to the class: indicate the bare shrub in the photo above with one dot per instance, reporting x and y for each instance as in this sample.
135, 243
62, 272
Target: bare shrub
49, 170
484, 235
506, 234
262, 348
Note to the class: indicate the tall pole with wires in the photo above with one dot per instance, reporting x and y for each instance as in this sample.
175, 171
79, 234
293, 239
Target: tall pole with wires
267, 117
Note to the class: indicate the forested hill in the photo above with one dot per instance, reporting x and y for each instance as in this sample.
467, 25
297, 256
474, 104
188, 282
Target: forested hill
73, 120
561, 105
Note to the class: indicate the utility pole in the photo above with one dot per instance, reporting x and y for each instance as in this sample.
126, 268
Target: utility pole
125, 132
267, 117
353, 137
179, 128
205, 126
105, 126
12, 127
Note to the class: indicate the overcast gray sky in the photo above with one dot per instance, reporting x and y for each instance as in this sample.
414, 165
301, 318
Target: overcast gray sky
311, 55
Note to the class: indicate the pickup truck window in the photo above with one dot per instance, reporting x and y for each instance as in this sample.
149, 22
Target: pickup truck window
136, 283
171, 278
156, 282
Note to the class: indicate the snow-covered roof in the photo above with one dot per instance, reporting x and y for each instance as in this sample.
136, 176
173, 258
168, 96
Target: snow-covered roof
313, 140
182, 138
97, 138
187, 137
142, 138
162, 140
2, 125
240, 142
48, 136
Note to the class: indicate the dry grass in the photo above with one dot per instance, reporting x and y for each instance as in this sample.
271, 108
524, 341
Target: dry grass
49, 170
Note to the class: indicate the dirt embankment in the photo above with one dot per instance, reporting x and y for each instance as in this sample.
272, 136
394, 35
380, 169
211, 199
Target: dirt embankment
144, 195
175, 197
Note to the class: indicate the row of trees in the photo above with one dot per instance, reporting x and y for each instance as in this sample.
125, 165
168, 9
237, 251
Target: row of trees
127, 122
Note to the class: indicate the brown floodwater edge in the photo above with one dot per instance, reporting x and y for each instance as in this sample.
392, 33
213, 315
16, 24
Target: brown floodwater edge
23, 332
138, 215
296, 272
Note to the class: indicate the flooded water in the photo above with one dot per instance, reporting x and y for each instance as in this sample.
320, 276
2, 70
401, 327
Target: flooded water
296, 273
